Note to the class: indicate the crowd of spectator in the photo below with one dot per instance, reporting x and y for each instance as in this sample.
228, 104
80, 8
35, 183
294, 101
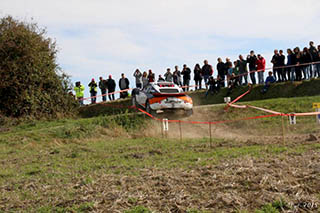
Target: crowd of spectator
296, 66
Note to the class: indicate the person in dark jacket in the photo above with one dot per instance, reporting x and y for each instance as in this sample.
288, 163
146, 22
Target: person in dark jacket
315, 58
232, 83
93, 91
177, 76
207, 71
317, 70
160, 79
298, 67
291, 61
306, 60
103, 88
123, 85
111, 86
269, 80
222, 70
151, 76
275, 62
220, 82
281, 64
197, 76
243, 71
186, 73
214, 85
252, 61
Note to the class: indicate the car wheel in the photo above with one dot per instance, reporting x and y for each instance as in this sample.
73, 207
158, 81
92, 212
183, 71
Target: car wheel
149, 110
189, 112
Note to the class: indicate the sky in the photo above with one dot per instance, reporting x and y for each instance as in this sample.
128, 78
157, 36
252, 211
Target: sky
102, 37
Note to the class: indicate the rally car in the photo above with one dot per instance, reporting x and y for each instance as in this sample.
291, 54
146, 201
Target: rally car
162, 96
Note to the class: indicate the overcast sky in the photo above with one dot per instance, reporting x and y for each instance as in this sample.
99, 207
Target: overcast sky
102, 37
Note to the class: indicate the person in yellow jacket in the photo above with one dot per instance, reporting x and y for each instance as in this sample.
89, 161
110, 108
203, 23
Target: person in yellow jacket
93, 91
79, 89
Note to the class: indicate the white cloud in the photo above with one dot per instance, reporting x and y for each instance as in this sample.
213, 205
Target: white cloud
114, 36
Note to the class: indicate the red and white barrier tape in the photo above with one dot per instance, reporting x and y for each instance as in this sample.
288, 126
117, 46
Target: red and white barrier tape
231, 104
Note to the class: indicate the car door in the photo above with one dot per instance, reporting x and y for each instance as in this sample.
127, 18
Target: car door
142, 97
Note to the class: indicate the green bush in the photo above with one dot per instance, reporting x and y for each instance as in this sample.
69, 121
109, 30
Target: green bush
31, 84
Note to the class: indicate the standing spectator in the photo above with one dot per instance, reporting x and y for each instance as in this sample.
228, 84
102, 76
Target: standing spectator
318, 63
275, 62
186, 72
252, 61
281, 69
124, 85
79, 90
261, 66
151, 77
103, 88
298, 68
168, 76
242, 65
197, 76
221, 68
236, 73
160, 79
93, 91
228, 65
207, 71
306, 60
145, 80
111, 86
138, 75
270, 80
229, 71
177, 76
291, 61
315, 58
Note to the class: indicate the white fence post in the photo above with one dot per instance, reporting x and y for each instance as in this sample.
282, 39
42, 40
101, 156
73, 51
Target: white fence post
165, 125
227, 100
292, 119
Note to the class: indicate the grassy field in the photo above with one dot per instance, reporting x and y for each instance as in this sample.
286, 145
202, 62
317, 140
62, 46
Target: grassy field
123, 164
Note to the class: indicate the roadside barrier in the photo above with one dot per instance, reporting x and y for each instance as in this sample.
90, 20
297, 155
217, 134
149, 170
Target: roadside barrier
231, 104
164, 122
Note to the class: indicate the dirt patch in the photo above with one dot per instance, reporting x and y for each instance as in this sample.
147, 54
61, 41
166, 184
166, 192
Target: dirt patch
235, 184
239, 184
246, 134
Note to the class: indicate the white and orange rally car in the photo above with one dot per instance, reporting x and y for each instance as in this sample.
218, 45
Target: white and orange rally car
162, 96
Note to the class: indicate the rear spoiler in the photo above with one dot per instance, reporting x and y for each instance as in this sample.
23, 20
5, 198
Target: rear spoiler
168, 94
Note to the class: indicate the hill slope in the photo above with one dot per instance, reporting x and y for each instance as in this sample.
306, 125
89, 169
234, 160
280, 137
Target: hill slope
278, 90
